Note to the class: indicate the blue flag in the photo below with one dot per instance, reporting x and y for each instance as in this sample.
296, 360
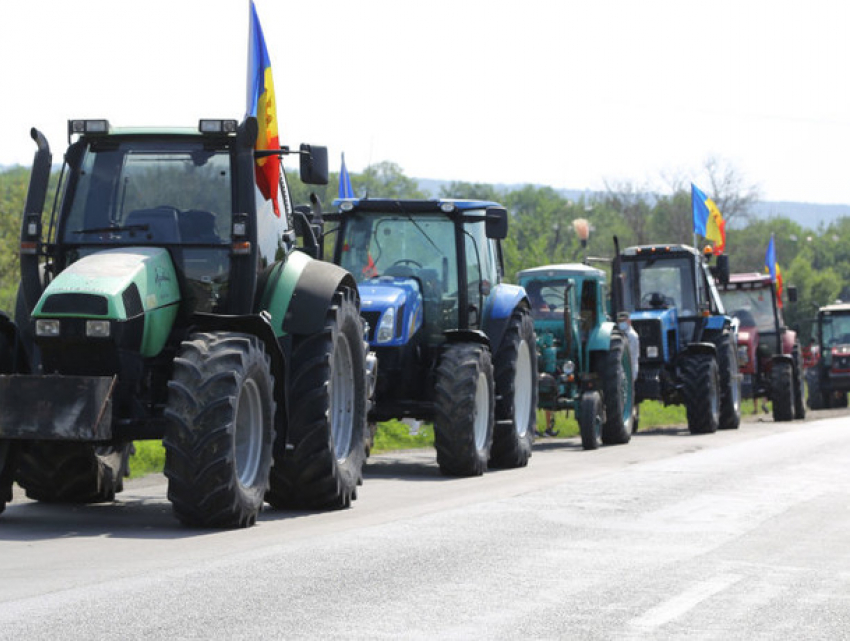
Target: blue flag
345, 190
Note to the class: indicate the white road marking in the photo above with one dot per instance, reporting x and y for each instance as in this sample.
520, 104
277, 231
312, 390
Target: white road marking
678, 605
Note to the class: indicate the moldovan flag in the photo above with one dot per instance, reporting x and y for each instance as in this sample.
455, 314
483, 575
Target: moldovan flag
262, 105
772, 267
345, 190
708, 222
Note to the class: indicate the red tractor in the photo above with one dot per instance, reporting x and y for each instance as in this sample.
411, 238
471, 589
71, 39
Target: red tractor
769, 353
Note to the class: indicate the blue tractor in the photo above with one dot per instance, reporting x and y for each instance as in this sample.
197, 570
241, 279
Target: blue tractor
455, 345
688, 344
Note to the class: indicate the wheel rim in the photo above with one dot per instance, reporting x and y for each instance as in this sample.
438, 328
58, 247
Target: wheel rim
522, 389
249, 433
482, 413
341, 411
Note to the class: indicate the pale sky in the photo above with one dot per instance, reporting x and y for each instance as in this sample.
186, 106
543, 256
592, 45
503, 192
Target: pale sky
561, 93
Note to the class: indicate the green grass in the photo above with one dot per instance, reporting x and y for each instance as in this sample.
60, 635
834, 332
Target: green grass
395, 435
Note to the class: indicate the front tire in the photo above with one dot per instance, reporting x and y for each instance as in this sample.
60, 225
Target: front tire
218, 441
321, 465
701, 393
730, 384
618, 392
799, 384
515, 367
590, 420
782, 391
464, 409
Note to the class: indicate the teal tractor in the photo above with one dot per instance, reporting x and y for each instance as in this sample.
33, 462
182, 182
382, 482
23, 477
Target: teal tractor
165, 297
584, 358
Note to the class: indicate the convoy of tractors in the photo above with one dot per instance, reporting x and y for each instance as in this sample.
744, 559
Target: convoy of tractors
165, 296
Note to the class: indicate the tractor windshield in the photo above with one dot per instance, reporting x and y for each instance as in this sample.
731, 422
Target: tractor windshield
144, 192
835, 329
657, 283
752, 307
547, 298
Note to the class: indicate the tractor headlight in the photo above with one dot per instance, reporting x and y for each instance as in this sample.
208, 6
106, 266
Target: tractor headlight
569, 367
98, 328
652, 351
386, 326
46, 327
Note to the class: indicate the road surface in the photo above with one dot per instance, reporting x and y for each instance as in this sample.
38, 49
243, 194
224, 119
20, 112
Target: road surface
735, 535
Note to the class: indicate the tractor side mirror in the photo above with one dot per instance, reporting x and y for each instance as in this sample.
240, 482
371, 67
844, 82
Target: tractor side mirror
792, 293
722, 269
314, 165
496, 223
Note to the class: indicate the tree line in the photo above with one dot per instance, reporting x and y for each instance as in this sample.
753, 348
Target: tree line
542, 226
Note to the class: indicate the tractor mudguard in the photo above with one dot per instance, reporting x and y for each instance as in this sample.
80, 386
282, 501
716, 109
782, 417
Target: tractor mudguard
498, 309
132, 285
467, 336
600, 337
782, 358
298, 295
699, 348
52, 407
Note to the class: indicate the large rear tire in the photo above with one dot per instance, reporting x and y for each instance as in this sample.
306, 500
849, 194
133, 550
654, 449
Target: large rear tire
730, 384
590, 420
814, 399
701, 393
218, 441
464, 409
321, 465
782, 390
515, 367
618, 392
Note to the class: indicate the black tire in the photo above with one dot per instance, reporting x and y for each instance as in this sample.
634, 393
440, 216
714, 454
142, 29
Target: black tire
320, 464
590, 420
218, 439
515, 375
464, 407
814, 398
782, 390
730, 384
68, 472
636, 419
701, 393
618, 392
799, 384
8, 466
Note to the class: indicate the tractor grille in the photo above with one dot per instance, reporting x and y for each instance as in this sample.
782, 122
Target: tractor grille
649, 332
132, 301
80, 304
372, 318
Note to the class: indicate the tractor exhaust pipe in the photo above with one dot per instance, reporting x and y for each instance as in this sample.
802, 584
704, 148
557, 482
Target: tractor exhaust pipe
31, 226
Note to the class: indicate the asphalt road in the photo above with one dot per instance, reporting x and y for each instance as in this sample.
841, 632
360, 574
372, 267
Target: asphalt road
735, 535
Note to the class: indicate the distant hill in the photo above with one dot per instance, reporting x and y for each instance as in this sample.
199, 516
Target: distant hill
807, 215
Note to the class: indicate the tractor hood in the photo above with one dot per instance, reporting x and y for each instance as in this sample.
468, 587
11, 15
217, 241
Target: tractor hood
118, 285
393, 309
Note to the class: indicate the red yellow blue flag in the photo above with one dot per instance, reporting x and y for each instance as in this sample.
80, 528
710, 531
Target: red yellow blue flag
262, 106
708, 222
772, 268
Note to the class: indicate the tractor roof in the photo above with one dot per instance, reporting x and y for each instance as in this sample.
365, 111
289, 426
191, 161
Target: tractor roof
563, 270
660, 249
838, 308
412, 206
752, 280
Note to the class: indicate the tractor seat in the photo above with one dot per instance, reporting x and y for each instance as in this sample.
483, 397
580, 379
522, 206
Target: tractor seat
161, 221
198, 226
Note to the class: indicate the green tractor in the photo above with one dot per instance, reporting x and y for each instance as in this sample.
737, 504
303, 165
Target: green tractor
584, 358
165, 299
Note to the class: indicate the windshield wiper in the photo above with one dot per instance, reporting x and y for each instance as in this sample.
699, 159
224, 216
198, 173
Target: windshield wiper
106, 230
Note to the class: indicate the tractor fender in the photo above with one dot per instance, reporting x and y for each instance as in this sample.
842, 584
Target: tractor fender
467, 336
298, 294
600, 337
782, 358
498, 310
699, 348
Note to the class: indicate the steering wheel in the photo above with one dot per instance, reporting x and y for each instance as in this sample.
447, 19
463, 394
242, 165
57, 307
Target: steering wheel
654, 299
406, 261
